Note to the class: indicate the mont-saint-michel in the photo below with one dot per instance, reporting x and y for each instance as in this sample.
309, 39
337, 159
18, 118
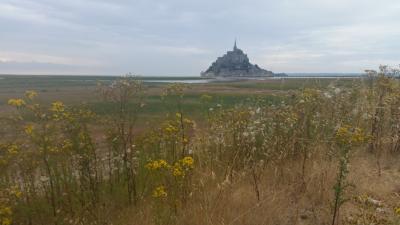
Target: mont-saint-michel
235, 63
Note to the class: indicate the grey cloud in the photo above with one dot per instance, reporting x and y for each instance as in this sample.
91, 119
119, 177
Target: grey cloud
158, 37
39, 68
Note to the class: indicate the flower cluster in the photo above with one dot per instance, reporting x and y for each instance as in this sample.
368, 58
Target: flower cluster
58, 109
187, 162
30, 94
170, 129
157, 164
310, 95
16, 192
6, 210
172, 175
346, 134
160, 192
178, 169
17, 102
5, 215
181, 167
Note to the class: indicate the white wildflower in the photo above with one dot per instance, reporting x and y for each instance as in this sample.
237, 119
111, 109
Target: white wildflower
44, 178
327, 95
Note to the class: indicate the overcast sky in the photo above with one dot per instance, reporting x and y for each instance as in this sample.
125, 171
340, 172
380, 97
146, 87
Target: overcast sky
182, 37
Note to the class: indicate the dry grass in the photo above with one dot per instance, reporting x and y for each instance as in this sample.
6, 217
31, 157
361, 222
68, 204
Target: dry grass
286, 199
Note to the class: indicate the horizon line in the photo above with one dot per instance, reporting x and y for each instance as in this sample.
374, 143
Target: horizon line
140, 75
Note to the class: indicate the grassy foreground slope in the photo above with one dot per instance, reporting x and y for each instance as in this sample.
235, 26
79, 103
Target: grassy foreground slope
301, 151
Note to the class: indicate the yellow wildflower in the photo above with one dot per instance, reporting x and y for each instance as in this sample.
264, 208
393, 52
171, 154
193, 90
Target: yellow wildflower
29, 129
160, 192
16, 192
66, 145
5, 214
397, 210
163, 163
53, 149
348, 135
5, 211
187, 162
178, 171
187, 121
157, 164
170, 129
309, 95
6, 221
57, 106
16, 102
13, 149
31, 94
357, 136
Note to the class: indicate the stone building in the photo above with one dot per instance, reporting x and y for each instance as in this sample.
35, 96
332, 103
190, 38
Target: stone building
235, 64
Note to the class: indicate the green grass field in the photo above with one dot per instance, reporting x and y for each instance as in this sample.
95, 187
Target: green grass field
76, 90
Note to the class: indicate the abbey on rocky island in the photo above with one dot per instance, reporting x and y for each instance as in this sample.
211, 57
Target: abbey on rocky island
235, 64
